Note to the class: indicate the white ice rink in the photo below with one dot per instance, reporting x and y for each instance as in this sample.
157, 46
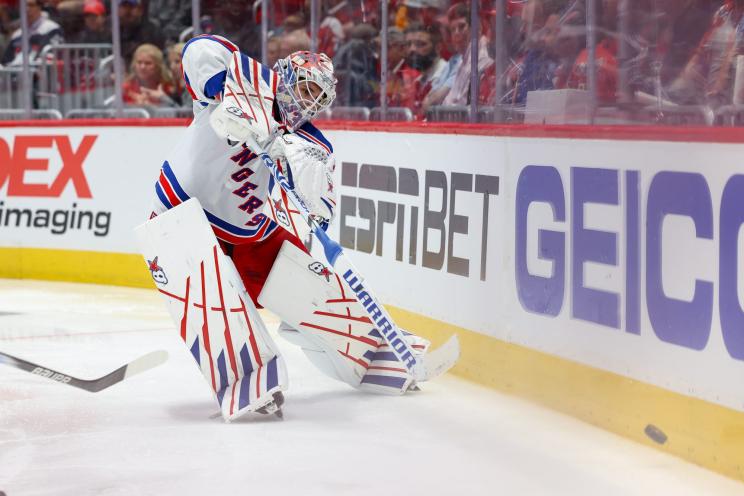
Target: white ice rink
153, 435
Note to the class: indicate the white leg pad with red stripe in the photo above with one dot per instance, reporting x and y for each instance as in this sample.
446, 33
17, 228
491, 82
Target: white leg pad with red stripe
323, 317
214, 314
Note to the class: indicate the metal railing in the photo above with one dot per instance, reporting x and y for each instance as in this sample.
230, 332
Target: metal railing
75, 76
11, 88
132, 113
391, 114
36, 114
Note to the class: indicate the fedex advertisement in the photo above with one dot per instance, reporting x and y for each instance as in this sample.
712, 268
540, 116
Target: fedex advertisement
77, 187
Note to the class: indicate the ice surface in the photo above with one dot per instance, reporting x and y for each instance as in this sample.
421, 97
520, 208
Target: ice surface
152, 434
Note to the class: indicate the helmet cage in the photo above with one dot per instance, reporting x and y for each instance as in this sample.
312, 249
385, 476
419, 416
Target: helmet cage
298, 75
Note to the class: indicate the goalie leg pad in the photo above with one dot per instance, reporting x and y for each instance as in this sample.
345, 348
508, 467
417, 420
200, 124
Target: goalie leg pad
315, 353
326, 320
214, 314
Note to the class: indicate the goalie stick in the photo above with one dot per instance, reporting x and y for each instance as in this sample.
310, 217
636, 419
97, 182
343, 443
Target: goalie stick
141, 364
423, 368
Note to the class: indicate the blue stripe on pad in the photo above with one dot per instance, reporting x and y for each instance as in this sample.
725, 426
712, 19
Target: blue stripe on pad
383, 380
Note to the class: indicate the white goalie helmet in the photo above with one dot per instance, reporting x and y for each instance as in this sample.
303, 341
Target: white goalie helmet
306, 86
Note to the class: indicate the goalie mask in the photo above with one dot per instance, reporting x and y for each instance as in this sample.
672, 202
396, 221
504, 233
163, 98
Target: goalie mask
306, 87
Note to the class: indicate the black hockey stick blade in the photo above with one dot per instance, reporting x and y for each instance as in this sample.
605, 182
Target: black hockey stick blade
141, 364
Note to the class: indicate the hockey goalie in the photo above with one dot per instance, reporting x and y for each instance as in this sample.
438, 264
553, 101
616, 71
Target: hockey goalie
224, 240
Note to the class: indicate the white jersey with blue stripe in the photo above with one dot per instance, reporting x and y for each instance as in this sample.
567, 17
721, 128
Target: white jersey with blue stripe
232, 185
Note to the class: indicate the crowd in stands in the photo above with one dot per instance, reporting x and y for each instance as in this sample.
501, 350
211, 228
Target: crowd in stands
670, 52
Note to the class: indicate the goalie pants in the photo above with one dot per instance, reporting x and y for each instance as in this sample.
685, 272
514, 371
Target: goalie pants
254, 260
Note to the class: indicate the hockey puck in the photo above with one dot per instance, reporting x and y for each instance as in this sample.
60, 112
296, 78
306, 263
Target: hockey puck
655, 434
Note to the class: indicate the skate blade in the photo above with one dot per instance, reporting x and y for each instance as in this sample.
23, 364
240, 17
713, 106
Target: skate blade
274, 407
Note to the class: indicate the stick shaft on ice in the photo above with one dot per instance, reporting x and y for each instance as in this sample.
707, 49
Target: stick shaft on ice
141, 364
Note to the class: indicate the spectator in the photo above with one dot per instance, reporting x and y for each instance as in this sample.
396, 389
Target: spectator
96, 29
66, 13
708, 76
355, 65
459, 93
293, 22
179, 94
422, 55
509, 45
149, 81
353, 13
279, 10
458, 26
330, 32
233, 21
42, 32
678, 41
606, 67
551, 47
402, 79
293, 41
135, 29
453, 88
605, 58
294, 36
273, 49
172, 16
50, 7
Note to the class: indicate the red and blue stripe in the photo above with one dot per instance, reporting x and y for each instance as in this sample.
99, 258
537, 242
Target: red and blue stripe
312, 134
170, 193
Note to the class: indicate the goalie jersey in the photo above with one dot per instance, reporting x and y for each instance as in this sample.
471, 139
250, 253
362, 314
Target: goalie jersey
233, 186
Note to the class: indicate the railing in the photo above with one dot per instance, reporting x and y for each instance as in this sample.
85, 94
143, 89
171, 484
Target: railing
10, 88
75, 76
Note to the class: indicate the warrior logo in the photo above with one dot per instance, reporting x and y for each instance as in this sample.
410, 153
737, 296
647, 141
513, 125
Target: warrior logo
158, 274
320, 269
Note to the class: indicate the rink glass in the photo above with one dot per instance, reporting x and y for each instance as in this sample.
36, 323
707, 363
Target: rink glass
602, 62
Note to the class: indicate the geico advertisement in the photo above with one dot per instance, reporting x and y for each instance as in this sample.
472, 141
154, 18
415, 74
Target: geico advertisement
78, 188
625, 256
628, 257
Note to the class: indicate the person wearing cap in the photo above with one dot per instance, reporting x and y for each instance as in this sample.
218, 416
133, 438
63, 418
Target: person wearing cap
96, 29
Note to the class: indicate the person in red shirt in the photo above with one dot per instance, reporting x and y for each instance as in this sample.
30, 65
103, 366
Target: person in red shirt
149, 81
606, 63
708, 76
402, 79
422, 55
